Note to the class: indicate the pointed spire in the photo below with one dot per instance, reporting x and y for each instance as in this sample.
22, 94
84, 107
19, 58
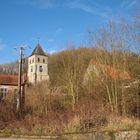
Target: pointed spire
38, 50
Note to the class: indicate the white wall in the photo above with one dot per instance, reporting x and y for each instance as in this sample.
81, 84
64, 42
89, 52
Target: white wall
34, 64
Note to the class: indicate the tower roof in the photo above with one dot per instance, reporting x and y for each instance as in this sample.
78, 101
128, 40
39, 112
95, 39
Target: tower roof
38, 50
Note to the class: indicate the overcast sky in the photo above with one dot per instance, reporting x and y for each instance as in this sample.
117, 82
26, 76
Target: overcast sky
56, 22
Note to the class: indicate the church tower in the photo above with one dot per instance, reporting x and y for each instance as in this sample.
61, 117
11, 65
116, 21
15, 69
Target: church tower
37, 65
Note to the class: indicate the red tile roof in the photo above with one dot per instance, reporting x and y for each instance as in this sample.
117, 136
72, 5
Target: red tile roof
109, 70
8, 79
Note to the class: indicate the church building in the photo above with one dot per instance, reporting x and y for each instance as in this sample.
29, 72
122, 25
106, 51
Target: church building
37, 65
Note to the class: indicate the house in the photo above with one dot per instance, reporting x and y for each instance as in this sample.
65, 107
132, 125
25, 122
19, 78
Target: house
8, 85
37, 65
102, 70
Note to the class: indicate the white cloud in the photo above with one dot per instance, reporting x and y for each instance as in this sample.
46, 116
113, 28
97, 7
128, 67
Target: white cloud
128, 3
2, 45
80, 34
58, 30
52, 51
132, 3
50, 40
89, 6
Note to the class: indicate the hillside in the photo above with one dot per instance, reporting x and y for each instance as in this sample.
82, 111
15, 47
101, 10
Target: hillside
109, 100
66, 105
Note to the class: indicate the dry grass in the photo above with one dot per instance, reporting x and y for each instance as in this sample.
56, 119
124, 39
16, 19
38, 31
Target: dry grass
118, 123
88, 116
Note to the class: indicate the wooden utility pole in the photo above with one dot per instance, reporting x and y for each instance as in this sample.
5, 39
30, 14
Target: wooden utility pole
19, 94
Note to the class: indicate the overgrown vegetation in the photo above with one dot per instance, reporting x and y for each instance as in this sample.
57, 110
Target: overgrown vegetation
69, 104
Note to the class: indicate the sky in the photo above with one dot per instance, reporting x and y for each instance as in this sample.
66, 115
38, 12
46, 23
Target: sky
55, 23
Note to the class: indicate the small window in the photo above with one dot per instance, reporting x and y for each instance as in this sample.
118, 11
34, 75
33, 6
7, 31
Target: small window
33, 60
3, 93
40, 68
31, 68
43, 60
30, 61
38, 59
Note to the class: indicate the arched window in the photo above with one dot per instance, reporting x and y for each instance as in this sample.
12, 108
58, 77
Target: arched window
43, 60
38, 59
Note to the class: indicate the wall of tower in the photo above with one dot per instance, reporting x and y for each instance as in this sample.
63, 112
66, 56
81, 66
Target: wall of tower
37, 68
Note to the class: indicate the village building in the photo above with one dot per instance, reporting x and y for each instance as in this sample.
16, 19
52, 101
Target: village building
37, 72
8, 84
38, 65
98, 70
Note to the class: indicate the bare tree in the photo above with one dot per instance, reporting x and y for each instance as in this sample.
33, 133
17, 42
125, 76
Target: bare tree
114, 40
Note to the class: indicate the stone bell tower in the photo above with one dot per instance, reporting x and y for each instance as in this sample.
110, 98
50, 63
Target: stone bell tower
38, 65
